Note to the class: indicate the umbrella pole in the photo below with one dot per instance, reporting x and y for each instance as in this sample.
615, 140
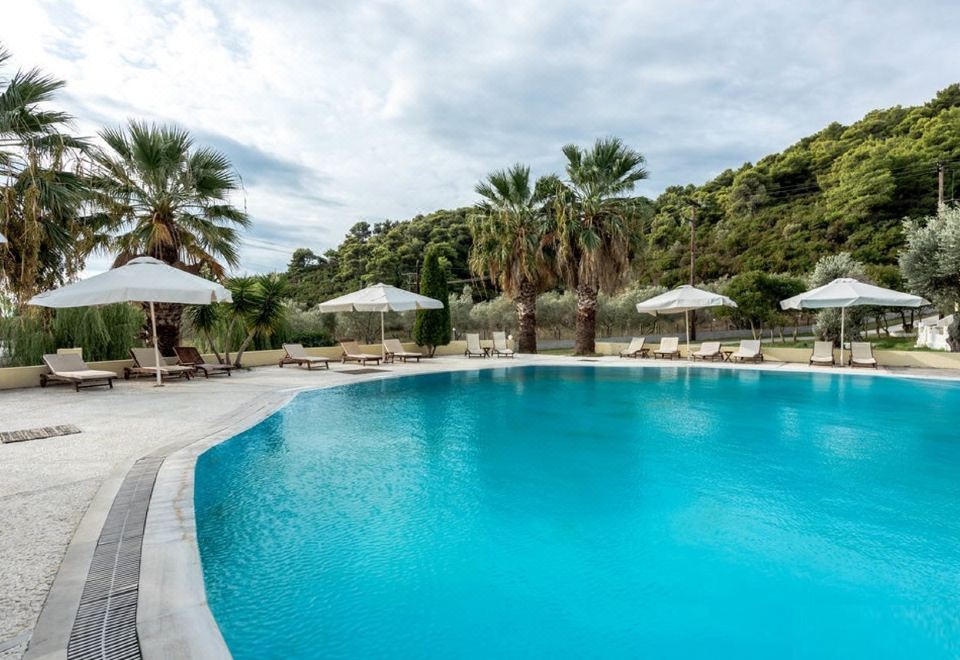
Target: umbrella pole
383, 337
156, 345
686, 322
843, 312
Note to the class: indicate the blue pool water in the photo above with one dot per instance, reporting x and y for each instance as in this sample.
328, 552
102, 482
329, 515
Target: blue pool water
579, 512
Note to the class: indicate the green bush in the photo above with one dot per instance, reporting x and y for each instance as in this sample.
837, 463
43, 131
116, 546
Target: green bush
104, 333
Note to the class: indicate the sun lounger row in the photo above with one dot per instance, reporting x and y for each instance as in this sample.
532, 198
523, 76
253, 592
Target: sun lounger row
70, 368
861, 354
750, 350
499, 348
350, 352
669, 348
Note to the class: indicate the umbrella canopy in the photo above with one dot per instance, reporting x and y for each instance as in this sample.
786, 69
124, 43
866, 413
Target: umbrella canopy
683, 300
143, 279
380, 298
848, 292
3, 239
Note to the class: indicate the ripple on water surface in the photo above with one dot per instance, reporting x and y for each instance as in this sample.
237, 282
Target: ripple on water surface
570, 512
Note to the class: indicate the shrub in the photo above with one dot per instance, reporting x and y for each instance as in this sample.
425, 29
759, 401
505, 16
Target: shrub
432, 327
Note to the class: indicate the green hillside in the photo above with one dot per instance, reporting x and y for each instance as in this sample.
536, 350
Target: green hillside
845, 188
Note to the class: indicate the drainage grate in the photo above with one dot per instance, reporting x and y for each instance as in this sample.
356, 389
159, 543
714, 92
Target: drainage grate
38, 433
106, 623
587, 360
364, 370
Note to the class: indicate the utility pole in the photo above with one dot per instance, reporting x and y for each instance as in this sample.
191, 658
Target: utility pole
693, 243
693, 266
940, 169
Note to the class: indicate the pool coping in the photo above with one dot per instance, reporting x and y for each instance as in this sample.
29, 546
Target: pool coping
173, 618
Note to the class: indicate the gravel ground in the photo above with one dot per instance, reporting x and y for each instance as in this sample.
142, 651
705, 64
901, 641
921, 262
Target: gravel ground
46, 485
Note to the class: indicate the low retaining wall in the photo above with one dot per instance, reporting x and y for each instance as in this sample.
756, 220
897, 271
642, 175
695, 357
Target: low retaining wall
16, 377
924, 359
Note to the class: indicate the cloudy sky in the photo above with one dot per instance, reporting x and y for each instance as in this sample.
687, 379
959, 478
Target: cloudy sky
335, 112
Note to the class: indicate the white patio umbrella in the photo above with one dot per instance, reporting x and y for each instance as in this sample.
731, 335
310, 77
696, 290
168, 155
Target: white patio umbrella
848, 292
143, 279
682, 300
380, 298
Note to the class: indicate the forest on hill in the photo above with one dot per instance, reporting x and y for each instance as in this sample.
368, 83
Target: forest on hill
843, 189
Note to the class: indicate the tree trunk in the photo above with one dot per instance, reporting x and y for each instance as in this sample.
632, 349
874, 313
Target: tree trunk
527, 318
243, 347
586, 331
213, 347
693, 325
168, 325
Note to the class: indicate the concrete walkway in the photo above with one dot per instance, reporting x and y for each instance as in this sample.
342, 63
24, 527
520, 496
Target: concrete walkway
47, 485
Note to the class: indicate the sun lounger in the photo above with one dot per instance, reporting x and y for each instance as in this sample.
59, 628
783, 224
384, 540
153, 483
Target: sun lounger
709, 350
749, 351
635, 349
394, 349
297, 354
861, 354
189, 356
500, 348
822, 353
473, 347
352, 353
669, 348
145, 364
70, 368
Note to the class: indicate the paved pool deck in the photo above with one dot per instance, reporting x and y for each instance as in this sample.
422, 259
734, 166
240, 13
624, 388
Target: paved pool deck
55, 493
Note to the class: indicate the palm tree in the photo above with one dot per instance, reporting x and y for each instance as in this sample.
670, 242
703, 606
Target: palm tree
258, 306
24, 122
42, 188
596, 226
163, 197
511, 231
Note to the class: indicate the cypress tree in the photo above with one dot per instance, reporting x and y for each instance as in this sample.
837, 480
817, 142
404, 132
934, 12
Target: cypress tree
432, 327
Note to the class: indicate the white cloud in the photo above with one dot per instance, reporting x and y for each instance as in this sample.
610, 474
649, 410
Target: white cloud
337, 112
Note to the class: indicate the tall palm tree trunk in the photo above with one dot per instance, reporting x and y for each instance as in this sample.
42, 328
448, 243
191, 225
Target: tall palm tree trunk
168, 325
527, 317
586, 331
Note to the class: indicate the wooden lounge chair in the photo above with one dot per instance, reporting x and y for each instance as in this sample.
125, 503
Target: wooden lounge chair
189, 356
500, 348
669, 348
822, 353
297, 354
635, 349
352, 353
70, 368
861, 355
749, 351
474, 349
145, 364
393, 349
709, 350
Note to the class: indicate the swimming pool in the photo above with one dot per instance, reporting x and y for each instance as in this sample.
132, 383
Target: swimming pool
580, 511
